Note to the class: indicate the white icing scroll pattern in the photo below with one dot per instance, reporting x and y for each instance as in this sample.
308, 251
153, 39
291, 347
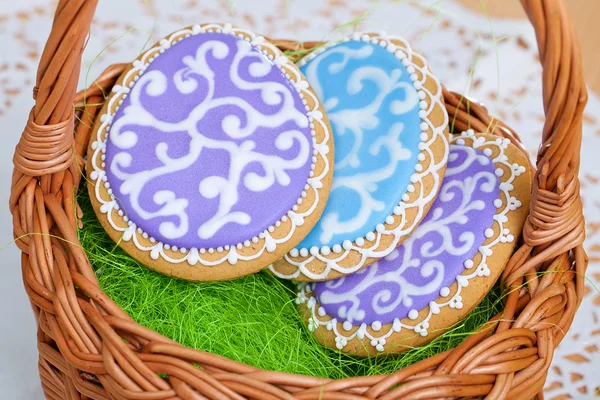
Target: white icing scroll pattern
154, 83
393, 287
354, 121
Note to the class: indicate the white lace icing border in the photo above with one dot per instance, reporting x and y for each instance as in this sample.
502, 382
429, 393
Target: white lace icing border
266, 240
430, 133
378, 333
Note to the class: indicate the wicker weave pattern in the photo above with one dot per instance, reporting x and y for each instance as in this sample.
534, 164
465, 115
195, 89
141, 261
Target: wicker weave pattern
82, 354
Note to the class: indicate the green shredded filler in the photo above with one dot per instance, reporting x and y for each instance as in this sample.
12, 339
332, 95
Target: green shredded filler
253, 320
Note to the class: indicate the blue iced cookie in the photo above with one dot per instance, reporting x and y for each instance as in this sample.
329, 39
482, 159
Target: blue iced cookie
390, 130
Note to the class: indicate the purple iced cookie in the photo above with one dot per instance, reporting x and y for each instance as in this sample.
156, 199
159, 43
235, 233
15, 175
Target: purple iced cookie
421, 287
211, 157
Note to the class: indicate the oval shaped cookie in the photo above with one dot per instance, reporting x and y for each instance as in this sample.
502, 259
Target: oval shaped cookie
443, 270
390, 127
211, 157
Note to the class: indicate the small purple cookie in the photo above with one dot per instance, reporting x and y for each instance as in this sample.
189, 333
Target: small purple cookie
211, 157
443, 269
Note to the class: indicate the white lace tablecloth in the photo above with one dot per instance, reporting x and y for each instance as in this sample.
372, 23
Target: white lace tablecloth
494, 61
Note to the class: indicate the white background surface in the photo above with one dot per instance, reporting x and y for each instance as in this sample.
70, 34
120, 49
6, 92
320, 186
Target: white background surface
453, 40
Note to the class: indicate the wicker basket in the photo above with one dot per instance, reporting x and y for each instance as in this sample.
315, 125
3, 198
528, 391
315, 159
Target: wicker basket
81, 330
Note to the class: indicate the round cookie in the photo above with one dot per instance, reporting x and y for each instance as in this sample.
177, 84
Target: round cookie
391, 134
212, 155
443, 270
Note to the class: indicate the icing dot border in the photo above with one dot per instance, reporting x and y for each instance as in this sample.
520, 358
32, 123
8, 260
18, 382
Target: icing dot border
269, 239
395, 226
418, 320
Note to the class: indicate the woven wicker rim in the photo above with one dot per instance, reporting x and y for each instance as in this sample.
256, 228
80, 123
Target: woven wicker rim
81, 330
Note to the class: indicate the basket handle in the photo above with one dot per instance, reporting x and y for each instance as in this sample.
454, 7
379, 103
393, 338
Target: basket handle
564, 92
51, 121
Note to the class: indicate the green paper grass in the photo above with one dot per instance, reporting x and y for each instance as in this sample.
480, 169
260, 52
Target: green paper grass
253, 320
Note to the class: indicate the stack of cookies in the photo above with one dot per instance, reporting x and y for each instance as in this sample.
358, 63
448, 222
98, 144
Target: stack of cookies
216, 156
